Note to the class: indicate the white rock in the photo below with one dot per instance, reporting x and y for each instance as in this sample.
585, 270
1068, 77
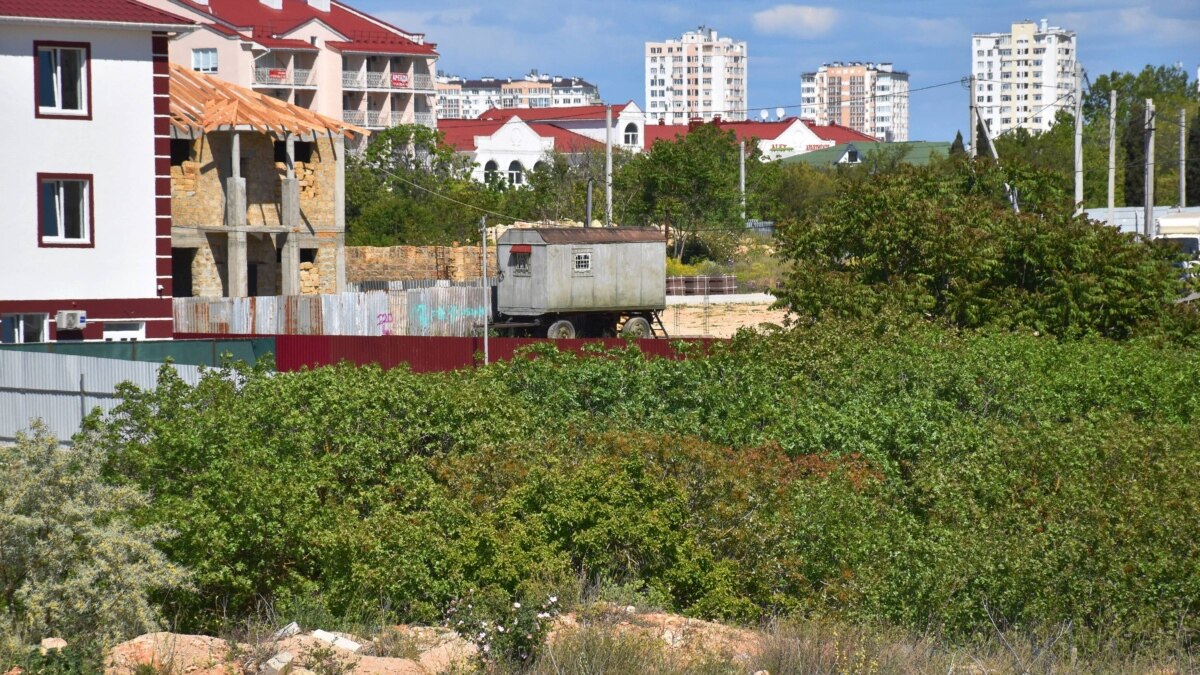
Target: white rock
279, 664
52, 643
287, 631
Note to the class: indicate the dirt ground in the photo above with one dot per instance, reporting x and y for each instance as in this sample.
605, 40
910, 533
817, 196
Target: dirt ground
720, 321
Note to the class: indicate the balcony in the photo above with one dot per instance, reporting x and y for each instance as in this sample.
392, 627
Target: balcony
353, 79
426, 118
284, 77
376, 119
356, 117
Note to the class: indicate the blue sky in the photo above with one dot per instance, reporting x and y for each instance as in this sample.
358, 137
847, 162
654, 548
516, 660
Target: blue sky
930, 39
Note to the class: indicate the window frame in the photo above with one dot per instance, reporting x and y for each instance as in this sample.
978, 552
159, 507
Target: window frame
89, 227
19, 329
521, 264
86, 99
631, 138
196, 51
583, 255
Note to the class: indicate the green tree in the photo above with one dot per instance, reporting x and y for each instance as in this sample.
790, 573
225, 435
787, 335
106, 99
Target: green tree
947, 246
73, 560
957, 149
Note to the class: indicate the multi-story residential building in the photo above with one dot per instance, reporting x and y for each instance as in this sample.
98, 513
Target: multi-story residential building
871, 98
1023, 77
460, 98
322, 55
699, 76
86, 223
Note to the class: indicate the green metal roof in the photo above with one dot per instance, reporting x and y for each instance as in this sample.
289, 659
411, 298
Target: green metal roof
919, 153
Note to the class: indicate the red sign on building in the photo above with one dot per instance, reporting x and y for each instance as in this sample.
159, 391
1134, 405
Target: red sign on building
400, 80
277, 73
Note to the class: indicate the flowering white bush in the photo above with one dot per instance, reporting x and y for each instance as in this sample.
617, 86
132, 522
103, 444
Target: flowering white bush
502, 630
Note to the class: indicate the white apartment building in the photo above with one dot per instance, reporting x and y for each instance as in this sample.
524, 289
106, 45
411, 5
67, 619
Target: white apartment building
1023, 77
699, 76
318, 54
460, 98
871, 98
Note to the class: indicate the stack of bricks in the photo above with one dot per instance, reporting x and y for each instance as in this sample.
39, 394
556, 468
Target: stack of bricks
183, 177
305, 175
310, 279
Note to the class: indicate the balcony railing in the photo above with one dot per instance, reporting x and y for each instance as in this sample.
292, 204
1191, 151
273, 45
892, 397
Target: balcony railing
422, 81
376, 118
272, 76
397, 118
425, 118
376, 80
303, 77
357, 117
352, 79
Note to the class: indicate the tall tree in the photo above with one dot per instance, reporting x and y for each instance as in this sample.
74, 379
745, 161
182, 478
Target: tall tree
957, 149
981, 136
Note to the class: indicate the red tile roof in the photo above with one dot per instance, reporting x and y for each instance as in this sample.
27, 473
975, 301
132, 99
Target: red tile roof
404, 47
103, 11
566, 114
364, 32
460, 134
839, 134
284, 43
744, 131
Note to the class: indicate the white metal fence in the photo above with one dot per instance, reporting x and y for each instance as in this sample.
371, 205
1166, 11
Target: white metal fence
61, 390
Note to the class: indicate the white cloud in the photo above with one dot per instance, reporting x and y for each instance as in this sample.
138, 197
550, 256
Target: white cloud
800, 21
1138, 21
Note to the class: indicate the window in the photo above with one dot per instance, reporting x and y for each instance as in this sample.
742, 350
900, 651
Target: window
61, 80
582, 265
64, 210
516, 173
181, 151
19, 328
631, 134
124, 331
519, 262
204, 60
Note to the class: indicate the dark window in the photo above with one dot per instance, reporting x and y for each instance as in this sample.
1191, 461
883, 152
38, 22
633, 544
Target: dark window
308, 255
64, 210
181, 150
304, 151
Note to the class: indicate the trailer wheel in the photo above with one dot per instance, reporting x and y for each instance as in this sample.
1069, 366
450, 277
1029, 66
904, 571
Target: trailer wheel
636, 327
561, 330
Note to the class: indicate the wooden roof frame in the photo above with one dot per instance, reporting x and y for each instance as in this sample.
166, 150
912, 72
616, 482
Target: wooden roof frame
205, 103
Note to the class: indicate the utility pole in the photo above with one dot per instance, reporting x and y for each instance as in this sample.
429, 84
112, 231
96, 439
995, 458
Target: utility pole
1182, 158
588, 221
974, 120
1078, 138
608, 165
1149, 189
1112, 156
487, 290
742, 176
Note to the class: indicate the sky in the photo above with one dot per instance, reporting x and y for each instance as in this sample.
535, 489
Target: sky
603, 41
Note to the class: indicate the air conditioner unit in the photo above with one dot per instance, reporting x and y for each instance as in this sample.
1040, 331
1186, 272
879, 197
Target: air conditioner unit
71, 320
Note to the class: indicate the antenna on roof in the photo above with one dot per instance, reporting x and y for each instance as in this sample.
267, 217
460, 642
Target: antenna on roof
764, 115
779, 113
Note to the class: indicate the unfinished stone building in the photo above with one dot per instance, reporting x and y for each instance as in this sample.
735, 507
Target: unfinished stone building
257, 192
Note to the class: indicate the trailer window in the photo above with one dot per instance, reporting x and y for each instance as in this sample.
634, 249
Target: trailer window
583, 263
519, 262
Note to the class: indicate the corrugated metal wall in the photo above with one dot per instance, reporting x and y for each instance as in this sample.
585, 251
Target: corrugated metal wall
61, 389
450, 310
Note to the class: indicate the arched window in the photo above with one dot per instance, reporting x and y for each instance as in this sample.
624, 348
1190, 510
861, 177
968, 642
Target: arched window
631, 134
489, 171
516, 173
539, 165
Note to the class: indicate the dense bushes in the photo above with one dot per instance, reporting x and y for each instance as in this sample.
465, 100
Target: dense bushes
910, 475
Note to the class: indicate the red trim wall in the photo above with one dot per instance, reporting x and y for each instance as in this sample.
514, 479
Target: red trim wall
162, 166
37, 82
91, 207
157, 314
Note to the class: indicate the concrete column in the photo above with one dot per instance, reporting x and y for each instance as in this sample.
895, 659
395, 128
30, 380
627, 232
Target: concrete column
290, 203
235, 202
236, 259
290, 245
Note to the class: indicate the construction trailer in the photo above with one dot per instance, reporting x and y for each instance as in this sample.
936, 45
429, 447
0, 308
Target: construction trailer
582, 282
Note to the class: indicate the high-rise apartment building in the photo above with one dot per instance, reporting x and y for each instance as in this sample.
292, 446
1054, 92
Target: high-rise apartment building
1024, 77
871, 98
460, 98
699, 76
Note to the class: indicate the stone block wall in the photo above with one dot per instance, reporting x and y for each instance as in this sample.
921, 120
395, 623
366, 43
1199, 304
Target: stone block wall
198, 185
405, 263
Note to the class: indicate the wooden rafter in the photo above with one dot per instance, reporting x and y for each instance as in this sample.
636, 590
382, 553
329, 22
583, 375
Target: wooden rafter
205, 103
